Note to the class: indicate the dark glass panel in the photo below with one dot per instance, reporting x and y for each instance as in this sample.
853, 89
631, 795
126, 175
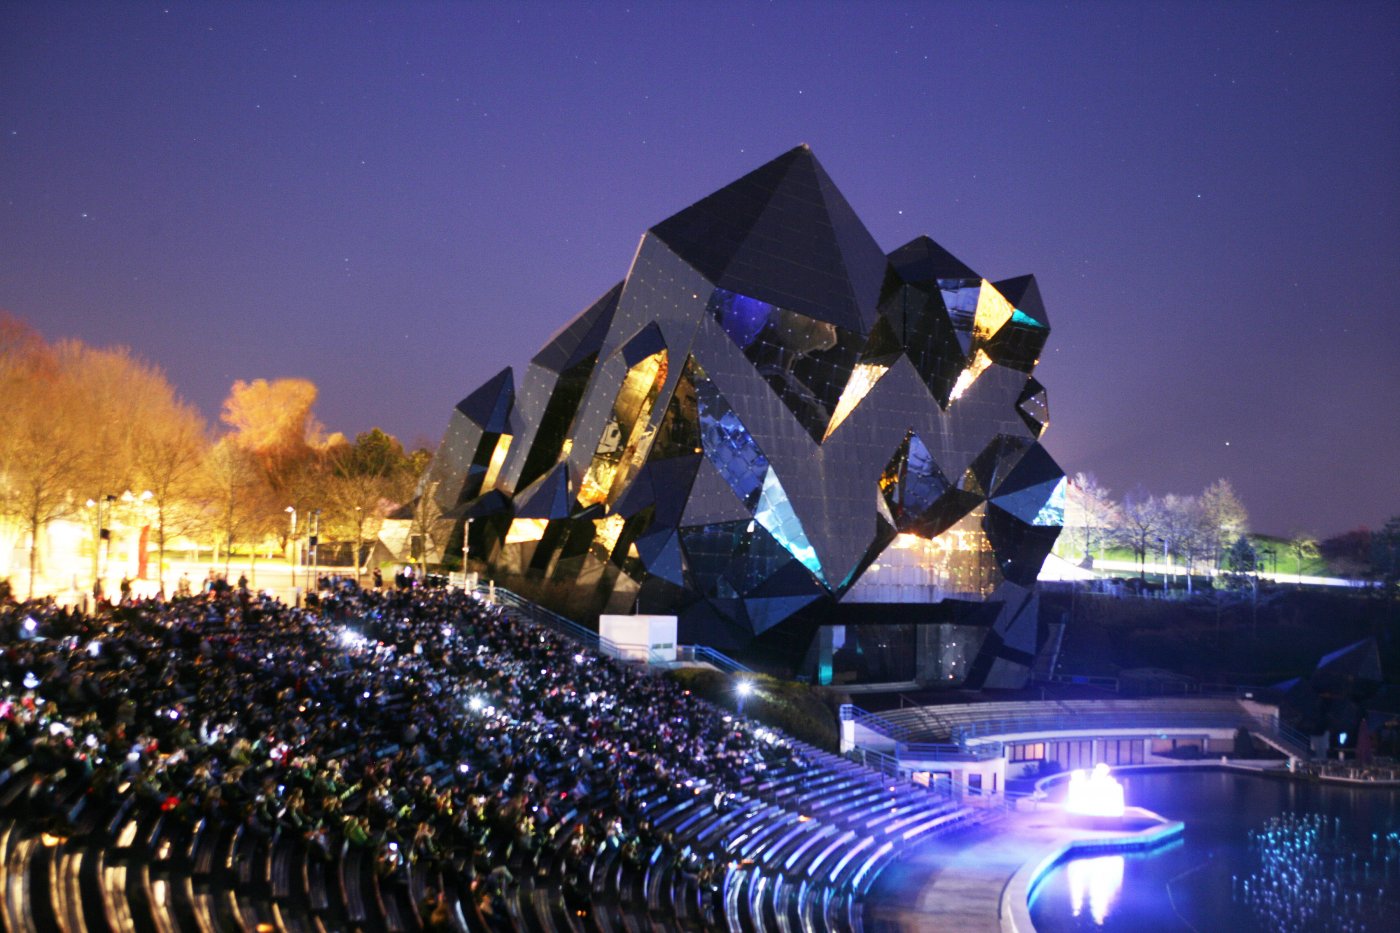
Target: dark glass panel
709, 551
489, 406
807, 362
556, 421
679, 432
1034, 407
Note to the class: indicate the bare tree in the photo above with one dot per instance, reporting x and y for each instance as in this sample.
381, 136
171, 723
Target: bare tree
1139, 522
235, 497
1089, 511
1179, 530
427, 530
168, 459
41, 466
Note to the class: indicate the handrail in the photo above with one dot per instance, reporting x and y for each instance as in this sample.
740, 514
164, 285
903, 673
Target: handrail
1083, 720
708, 655
944, 751
940, 784
1092, 721
874, 722
1089, 680
543, 616
971, 741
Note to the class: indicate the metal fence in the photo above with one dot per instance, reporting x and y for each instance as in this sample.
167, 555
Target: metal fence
966, 746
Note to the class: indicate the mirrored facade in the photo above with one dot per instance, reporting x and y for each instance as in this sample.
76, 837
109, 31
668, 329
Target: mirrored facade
802, 446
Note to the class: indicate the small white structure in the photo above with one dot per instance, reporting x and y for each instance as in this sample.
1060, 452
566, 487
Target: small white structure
638, 638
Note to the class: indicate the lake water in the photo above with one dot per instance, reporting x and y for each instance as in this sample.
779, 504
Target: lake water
1258, 853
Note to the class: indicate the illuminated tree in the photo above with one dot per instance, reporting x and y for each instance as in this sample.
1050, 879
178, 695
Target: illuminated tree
23, 357
138, 441
427, 530
1089, 512
41, 448
274, 423
110, 406
365, 481
1223, 516
1305, 550
1181, 530
168, 459
235, 495
1139, 521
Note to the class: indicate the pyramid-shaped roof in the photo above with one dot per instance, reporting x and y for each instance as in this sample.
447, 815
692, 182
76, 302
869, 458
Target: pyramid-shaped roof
1024, 295
923, 260
784, 234
489, 406
581, 337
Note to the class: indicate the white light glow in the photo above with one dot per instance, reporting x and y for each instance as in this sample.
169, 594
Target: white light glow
351, 639
1095, 883
1097, 794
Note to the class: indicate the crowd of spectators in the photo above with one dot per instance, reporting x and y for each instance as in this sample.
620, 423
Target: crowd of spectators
421, 724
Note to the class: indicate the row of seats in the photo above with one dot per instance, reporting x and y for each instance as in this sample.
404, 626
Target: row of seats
140, 868
803, 847
794, 848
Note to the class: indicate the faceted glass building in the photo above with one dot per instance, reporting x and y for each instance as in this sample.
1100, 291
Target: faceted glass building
807, 449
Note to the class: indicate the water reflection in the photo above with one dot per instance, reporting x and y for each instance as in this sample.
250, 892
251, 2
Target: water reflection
1293, 842
1094, 883
1314, 875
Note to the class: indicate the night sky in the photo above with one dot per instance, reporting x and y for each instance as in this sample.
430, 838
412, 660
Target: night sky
396, 200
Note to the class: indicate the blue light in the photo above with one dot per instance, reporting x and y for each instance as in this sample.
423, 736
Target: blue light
743, 318
775, 514
728, 444
734, 452
1052, 514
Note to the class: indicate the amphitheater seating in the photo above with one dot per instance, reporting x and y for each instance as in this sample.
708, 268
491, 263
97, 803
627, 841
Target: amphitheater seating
801, 863
800, 845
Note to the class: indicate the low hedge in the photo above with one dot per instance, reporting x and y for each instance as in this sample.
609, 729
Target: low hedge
804, 712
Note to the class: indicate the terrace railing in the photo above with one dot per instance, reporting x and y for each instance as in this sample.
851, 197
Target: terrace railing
973, 740
945, 751
874, 722
706, 655
1269, 728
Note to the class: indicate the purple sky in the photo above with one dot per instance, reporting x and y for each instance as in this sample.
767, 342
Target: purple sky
396, 200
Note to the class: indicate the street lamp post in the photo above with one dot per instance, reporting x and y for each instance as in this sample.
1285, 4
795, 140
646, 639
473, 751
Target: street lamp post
467, 555
313, 569
98, 533
292, 548
359, 535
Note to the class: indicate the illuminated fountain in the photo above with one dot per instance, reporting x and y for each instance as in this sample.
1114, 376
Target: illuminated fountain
1096, 796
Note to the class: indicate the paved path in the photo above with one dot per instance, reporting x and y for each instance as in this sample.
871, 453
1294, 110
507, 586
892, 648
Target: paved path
956, 883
